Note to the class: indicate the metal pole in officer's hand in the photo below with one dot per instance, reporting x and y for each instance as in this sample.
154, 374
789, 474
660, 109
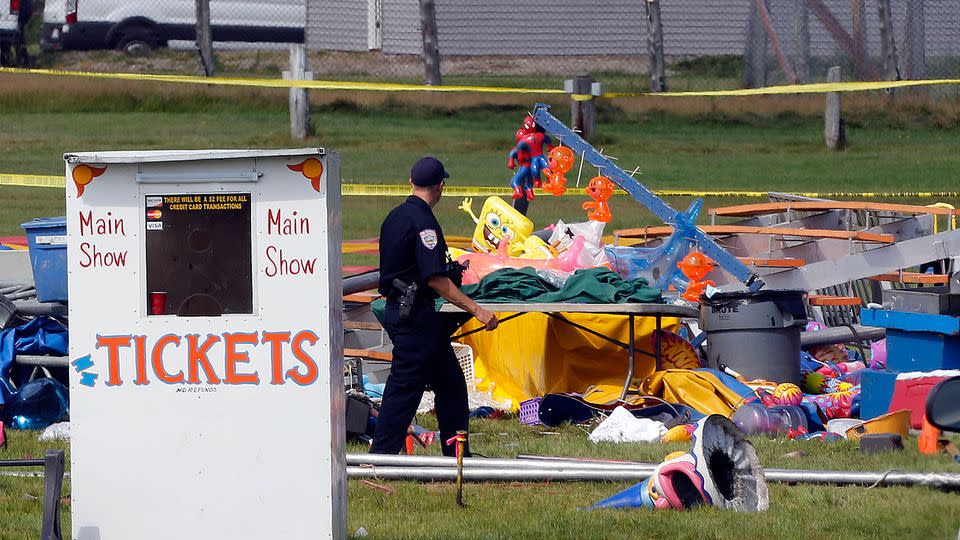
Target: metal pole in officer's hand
460, 438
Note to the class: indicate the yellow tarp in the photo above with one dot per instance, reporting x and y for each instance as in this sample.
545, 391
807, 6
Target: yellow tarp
534, 355
700, 390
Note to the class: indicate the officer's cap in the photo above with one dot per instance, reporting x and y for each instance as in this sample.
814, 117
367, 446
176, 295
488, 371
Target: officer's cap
428, 171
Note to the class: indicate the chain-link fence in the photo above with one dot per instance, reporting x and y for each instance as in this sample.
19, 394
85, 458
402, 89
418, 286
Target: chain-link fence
707, 44
790, 41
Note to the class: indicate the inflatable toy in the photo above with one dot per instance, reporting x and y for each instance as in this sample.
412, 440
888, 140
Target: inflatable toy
758, 419
560, 161
528, 159
600, 189
658, 265
681, 433
675, 352
499, 221
721, 469
878, 354
695, 266
480, 264
835, 404
802, 435
593, 254
787, 394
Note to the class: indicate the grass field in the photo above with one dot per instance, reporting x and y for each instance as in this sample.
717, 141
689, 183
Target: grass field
523, 510
905, 144
909, 147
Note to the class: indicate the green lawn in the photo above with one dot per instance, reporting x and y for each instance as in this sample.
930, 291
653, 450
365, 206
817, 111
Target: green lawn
892, 148
378, 146
673, 151
550, 510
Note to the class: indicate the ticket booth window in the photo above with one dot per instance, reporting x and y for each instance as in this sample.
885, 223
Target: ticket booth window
198, 254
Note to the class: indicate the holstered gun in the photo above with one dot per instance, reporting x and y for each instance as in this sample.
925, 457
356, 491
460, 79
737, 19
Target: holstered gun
407, 295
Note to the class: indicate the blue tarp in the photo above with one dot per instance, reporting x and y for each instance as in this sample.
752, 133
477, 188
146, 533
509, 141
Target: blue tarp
41, 336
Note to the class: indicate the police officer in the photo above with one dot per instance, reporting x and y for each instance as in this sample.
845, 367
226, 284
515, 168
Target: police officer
414, 271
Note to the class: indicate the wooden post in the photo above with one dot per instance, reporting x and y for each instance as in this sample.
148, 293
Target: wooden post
767, 23
916, 40
204, 37
583, 110
431, 47
658, 80
859, 20
890, 70
755, 52
801, 28
865, 70
299, 97
833, 130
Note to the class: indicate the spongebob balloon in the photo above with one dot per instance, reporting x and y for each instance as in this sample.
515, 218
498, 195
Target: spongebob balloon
498, 221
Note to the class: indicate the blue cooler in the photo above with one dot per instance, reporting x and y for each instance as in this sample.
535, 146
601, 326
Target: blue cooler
47, 238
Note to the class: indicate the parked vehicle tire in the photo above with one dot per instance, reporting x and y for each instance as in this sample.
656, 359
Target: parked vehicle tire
137, 40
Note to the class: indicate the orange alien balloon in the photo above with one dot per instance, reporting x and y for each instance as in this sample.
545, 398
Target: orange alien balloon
560, 161
600, 189
695, 266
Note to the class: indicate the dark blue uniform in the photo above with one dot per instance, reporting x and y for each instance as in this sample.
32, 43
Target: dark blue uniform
412, 249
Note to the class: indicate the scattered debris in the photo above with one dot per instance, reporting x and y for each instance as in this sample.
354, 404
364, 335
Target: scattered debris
384, 488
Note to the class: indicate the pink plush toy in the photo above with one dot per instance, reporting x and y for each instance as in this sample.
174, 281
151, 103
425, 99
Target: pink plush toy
481, 264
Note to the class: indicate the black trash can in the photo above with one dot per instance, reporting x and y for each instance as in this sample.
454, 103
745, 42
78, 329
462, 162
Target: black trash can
756, 333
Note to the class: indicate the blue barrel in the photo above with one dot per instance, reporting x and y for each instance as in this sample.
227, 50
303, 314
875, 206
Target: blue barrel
47, 238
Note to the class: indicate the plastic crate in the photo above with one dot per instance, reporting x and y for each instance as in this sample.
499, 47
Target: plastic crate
530, 412
465, 358
47, 238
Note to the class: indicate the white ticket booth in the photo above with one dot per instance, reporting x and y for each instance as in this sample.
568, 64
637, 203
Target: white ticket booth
206, 344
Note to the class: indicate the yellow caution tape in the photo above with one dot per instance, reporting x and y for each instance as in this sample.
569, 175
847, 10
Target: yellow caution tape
31, 180
398, 190
816, 88
284, 83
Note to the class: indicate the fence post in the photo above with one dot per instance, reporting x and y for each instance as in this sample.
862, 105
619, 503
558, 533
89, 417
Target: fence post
299, 97
755, 51
916, 40
771, 32
833, 131
431, 47
583, 110
890, 70
859, 34
658, 80
801, 28
204, 37
53, 468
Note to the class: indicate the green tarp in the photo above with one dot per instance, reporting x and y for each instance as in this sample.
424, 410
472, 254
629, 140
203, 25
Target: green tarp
590, 286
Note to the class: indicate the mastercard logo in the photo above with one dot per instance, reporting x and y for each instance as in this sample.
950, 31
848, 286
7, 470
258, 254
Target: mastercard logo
154, 214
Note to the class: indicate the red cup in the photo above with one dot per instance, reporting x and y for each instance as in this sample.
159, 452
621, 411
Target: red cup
158, 303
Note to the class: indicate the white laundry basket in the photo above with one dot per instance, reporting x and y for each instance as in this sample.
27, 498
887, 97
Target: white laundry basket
465, 358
